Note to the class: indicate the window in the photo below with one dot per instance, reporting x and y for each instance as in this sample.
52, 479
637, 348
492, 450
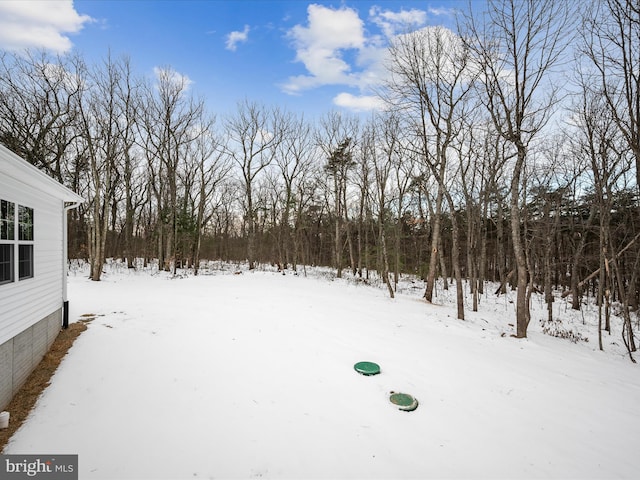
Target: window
25, 251
25, 223
6, 263
12, 219
25, 261
7, 218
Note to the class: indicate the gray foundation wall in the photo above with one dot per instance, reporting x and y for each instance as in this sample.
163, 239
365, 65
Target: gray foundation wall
20, 355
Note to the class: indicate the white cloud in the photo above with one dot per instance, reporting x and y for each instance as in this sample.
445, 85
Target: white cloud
337, 49
172, 79
442, 11
330, 29
58, 74
392, 23
237, 37
39, 24
361, 103
321, 46
442, 53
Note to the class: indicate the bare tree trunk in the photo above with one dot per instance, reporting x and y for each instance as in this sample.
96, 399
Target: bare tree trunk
444, 271
627, 327
338, 232
601, 284
435, 242
385, 258
500, 250
523, 315
352, 258
455, 260
577, 260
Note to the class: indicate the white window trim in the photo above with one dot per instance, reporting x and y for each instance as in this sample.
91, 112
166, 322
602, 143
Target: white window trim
16, 242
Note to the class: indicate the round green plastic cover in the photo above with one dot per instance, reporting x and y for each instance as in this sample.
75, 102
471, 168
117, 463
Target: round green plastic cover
367, 368
404, 401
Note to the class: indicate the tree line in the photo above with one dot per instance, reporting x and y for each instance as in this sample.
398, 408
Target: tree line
508, 152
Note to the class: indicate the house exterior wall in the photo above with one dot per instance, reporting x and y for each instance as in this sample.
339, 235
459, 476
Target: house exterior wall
31, 309
21, 354
25, 302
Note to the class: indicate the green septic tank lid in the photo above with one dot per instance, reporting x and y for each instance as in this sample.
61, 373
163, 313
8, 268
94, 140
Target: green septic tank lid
367, 368
404, 401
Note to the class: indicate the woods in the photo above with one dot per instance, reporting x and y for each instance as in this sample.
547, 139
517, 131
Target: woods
509, 152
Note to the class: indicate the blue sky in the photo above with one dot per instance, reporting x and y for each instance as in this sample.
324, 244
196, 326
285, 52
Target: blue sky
304, 56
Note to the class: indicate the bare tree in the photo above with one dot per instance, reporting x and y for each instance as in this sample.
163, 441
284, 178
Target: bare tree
551, 180
516, 45
209, 167
430, 77
471, 154
611, 41
362, 181
294, 156
254, 132
171, 121
604, 146
131, 179
105, 139
338, 165
393, 145
307, 207
336, 139
38, 108
380, 152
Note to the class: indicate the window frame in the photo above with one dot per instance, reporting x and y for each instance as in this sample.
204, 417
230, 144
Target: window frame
17, 224
24, 227
7, 223
25, 261
7, 240
10, 263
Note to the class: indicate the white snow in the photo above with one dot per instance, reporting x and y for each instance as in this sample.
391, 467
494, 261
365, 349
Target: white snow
251, 375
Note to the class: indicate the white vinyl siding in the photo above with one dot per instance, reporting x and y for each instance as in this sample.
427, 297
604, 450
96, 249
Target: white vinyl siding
26, 301
31, 293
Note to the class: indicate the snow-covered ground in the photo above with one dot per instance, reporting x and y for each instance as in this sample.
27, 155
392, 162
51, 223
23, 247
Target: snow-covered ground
249, 375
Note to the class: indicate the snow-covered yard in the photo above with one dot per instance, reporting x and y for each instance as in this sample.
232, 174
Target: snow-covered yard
251, 375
